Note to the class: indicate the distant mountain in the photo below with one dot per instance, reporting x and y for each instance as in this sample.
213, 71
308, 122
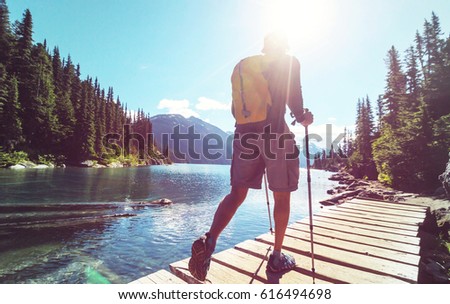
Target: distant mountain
191, 140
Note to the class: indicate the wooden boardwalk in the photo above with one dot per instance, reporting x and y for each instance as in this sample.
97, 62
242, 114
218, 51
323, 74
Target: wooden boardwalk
360, 241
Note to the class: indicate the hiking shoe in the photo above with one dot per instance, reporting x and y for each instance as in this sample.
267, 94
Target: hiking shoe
201, 257
284, 263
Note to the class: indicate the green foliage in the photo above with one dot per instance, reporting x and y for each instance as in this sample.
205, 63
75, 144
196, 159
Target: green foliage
6, 39
13, 158
10, 122
47, 159
411, 142
360, 162
45, 108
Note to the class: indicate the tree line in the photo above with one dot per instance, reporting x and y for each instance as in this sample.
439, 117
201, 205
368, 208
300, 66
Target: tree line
406, 143
45, 106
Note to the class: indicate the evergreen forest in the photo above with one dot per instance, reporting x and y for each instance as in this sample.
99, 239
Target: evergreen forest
48, 113
404, 139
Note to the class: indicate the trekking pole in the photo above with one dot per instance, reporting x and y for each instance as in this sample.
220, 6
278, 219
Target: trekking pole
268, 204
310, 204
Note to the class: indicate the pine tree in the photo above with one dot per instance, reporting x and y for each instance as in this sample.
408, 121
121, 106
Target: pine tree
6, 39
435, 118
11, 125
361, 160
394, 96
64, 108
4, 90
75, 96
99, 119
380, 114
39, 117
109, 111
413, 81
85, 130
420, 55
23, 32
118, 116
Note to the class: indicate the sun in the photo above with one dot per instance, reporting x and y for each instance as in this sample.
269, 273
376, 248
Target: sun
304, 22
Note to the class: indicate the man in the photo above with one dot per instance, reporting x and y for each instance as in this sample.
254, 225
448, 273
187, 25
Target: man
258, 147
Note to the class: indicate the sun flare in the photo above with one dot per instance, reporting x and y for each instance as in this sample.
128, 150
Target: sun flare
304, 22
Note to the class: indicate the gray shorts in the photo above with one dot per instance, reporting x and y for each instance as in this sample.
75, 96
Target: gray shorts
254, 153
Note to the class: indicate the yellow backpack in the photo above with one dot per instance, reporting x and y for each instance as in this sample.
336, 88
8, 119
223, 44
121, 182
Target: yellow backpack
250, 90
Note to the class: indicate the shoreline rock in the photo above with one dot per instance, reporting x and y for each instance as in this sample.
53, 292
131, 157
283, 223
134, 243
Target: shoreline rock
30, 165
351, 187
444, 178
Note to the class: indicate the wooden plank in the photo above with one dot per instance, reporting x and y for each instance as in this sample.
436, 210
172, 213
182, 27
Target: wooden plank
372, 264
160, 277
372, 238
143, 280
325, 271
391, 208
367, 229
409, 224
396, 219
385, 211
394, 206
247, 264
255, 266
217, 274
165, 277
408, 203
401, 228
356, 247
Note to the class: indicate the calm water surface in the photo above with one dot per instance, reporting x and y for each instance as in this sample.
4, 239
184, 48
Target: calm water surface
79, 225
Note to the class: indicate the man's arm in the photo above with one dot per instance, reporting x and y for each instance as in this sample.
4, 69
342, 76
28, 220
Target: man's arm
295, 96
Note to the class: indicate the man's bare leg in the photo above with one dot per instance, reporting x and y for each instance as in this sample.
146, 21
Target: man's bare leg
226, 210
278, 261
281, 216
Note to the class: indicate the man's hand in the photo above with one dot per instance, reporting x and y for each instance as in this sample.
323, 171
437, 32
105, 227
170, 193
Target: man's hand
308, 118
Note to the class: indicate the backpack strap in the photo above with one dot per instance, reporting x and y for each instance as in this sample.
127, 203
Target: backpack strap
245, 112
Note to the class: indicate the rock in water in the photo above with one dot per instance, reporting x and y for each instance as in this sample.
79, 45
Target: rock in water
445, 178
17, 167
162, 201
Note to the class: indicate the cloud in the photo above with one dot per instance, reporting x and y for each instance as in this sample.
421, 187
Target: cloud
177, 107
206, 104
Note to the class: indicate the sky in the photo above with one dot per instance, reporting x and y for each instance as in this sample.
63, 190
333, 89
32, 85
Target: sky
177, 56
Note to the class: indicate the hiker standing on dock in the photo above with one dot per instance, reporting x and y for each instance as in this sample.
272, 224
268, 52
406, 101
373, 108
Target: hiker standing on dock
263, 85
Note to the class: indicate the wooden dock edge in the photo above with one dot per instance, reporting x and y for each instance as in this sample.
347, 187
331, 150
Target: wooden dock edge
361, 241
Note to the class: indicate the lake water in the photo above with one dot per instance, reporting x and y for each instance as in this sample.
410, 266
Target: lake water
74, 225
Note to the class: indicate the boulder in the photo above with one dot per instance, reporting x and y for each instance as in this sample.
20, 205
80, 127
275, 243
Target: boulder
115, 165
42, 166
444, 178
98, 166
87, 163
27, 164
17, 167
